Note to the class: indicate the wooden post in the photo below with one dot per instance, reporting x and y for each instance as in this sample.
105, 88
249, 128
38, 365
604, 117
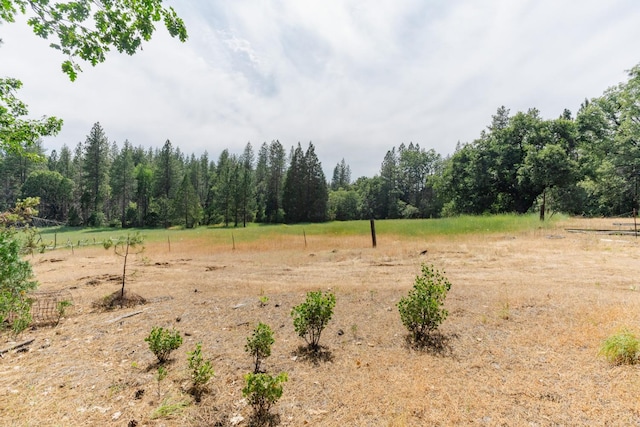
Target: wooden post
55, 240
233, 239
169, 242
373, 233
635, 225
305, 238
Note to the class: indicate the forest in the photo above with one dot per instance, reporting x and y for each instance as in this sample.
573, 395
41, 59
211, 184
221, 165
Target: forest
587, 164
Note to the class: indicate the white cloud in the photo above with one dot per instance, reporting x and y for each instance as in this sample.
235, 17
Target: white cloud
354, 77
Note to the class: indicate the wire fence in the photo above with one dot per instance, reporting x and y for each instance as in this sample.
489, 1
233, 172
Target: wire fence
49, 306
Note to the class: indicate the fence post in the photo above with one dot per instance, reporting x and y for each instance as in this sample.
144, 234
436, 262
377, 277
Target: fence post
373, 232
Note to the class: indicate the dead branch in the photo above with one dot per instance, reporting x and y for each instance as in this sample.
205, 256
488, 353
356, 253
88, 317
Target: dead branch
16, 346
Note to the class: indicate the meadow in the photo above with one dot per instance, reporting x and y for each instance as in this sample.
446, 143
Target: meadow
529, 307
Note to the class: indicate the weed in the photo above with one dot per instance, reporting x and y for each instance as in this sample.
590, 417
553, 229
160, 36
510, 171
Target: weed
503, 313
421, 311
61, 309
354, 331
161, 375
311, 317
259, 345
166, 409
162, 342
621, 348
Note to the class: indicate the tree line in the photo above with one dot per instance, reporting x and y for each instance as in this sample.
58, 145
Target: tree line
588, 164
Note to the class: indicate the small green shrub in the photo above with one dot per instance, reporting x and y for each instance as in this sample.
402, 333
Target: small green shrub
259, 345
262, 391
201, 371
421, 310
162, 342
16, 281
621, 348
311, 317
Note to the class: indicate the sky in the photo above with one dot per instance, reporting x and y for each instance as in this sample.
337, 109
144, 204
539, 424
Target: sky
354, 77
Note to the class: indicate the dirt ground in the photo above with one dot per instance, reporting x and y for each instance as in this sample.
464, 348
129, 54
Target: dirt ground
528, 313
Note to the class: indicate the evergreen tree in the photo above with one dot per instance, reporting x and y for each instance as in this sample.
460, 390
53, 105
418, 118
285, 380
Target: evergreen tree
390, 191
143, 174
275, 181
95, 173
15, 167
262, 182
305, 195
123, 180
317, 190
246, 185
341, 176
186, 205
225, 187
165, 173
295, 191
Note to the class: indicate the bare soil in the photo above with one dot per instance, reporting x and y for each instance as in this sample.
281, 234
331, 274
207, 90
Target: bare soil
528, 313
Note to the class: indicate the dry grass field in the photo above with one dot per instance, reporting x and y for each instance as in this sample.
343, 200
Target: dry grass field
528, 313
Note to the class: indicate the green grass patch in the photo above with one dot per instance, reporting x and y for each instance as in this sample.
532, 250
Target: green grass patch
168, 408
621, 348
418, 228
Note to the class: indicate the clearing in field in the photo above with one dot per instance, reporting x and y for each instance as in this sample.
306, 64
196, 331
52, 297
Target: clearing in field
529, 309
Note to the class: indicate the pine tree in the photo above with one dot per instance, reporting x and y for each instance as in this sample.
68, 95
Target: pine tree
341, 176
247, 185
262, 182
224, 187
186, 205
95, 173
317, 192
275, 180
295, 192
122, 180
166, 172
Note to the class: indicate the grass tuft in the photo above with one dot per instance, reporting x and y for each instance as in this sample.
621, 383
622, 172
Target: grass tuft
621, 348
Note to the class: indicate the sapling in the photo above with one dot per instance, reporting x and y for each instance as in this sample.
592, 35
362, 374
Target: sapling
123, 247
311, 317
262, 391
259, 345
421, 310
163, 341
201, 371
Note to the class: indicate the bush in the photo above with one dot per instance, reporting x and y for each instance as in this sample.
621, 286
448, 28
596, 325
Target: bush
259, 345
621, 348
201, 371
163, 341
421, 311
311, 317
262, 391
15, 283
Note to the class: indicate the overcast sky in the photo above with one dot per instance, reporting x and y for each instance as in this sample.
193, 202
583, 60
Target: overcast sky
355, 77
